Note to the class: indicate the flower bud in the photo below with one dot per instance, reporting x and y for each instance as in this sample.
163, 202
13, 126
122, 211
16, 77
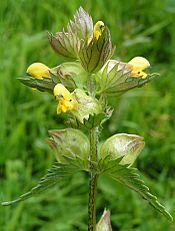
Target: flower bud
97, 32
70, 143
104, 222
123, 145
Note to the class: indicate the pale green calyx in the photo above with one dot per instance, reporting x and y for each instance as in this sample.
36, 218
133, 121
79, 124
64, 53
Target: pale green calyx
123, 145
86, 105
71, 74
69, 143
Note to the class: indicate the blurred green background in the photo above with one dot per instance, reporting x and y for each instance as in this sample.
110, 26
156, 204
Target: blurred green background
142, 27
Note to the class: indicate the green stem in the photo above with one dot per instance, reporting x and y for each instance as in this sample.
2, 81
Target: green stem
92, 180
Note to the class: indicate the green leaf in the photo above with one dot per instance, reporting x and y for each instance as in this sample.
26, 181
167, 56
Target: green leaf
98, 119
44, 84
130, 178
56, 174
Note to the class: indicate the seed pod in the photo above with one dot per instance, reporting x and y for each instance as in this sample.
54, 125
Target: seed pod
70, 143
123, 145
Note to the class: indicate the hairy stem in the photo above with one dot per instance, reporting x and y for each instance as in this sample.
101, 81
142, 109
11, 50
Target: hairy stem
92, 180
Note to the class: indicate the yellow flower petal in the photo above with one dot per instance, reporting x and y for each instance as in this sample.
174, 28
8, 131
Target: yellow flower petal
38, 70
98, 29
138, 65
66, 100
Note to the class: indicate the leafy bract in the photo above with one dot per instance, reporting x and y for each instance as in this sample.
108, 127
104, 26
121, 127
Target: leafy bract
68, 43
114, 78
95, 54
57, 173
43, 84
87, 105
130, 178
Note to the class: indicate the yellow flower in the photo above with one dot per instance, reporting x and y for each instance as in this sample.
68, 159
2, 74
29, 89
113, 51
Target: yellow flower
38, 70
66, 101
98, 29
138, 65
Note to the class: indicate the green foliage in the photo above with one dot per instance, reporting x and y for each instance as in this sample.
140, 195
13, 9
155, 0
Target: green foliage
137, 29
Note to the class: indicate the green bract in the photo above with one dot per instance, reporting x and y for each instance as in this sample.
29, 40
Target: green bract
115, 79
68, 43
95, 54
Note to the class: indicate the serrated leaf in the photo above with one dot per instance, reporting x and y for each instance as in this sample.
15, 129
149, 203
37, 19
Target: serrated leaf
130, 178
95, 120
55, 174
114, 78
